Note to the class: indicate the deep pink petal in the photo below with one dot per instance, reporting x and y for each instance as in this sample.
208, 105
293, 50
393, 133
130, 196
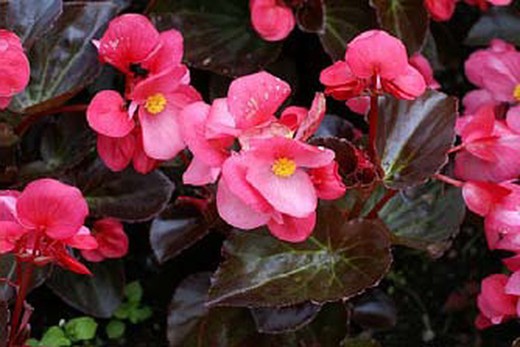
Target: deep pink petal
236, 211
422, 65
481, 197
253, 99
293, 229
111, 237
407, 85
311, 123
513, 119
116, 153
471, 168
512, 263
360, 105
272, 20
375, 52
9, 232
129, 39
83, 240
57, 208
440, 10
14, 66
327, 182
106, 114
167, 54
164, 83
513, 284
141, 161
481, 125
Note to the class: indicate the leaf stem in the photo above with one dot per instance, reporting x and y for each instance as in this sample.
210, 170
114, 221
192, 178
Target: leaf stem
373, 116
23, 287
381, 203
449, 180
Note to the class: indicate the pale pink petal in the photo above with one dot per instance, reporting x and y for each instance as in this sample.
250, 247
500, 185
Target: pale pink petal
311, 123
162, 138
476, 99
164, 83
294, 195
513, 119
199, 173
220, 122
236, 211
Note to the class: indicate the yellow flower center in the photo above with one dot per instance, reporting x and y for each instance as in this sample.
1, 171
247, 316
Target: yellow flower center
516, 92
284, 167
155, 103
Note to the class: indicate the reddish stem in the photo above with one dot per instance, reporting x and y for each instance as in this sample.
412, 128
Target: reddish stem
28, 121
23, 288
449, 180
372, 123
456, 148
381, 203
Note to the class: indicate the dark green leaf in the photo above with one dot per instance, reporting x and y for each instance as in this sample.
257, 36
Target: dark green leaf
413, 137
218, 35
497, 23
340, 260
374, 310
81, 329
98, 295
115, 329
139, 314
343, 21
283, 319
191, 323
178, 228
360, 342
406, 19
64, 61
426, 217
310, 16
29, 19
126, 195
4, 319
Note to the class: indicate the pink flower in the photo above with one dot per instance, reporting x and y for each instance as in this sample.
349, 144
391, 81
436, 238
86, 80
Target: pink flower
111, 238
422, 65
498, 300
270, 184
272, 19
133, 45
14, 67
40, 223
374, 62
490, 149
158, 101
442, 10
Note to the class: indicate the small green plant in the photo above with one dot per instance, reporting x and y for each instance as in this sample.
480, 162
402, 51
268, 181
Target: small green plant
131, 310
75, 332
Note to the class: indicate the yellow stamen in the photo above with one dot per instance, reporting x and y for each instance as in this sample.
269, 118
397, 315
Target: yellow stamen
284, 167
155, 103
516, 92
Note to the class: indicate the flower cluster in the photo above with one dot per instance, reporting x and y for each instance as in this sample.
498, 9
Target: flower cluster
442, 10
366, 70
267, 174
141, 127
488, 162
41, 223
14, 67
